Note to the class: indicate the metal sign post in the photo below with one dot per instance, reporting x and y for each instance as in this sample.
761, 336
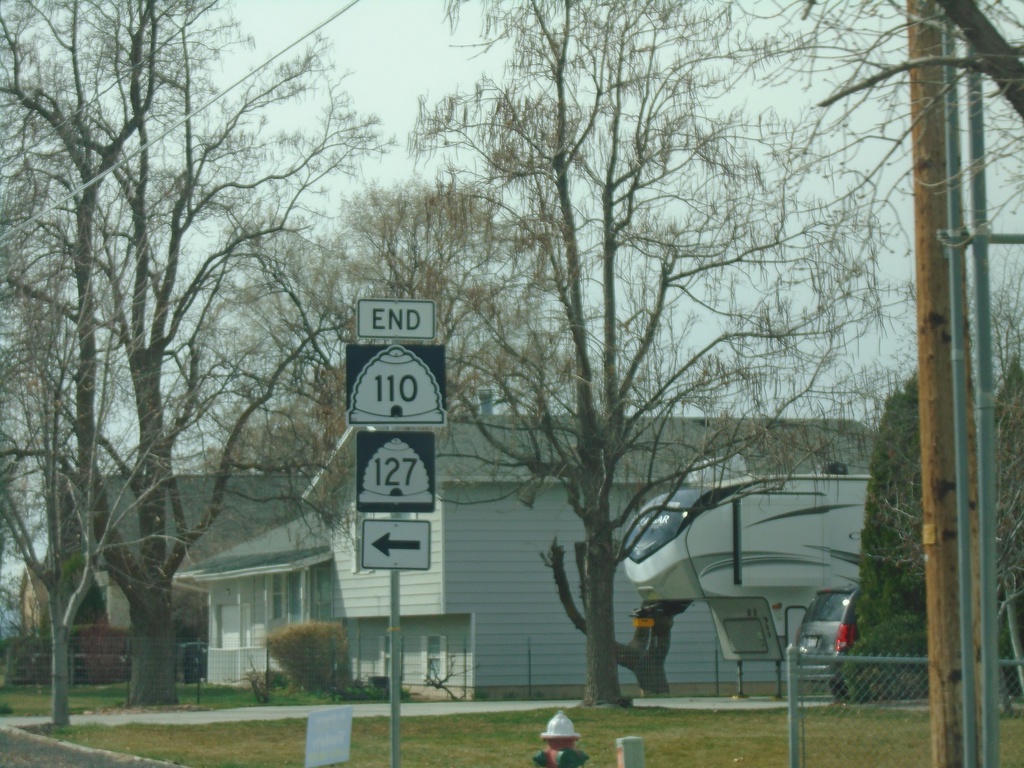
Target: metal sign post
395, 687
395, 386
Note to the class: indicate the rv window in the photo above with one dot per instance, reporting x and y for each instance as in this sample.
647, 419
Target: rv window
684, 498
667, 524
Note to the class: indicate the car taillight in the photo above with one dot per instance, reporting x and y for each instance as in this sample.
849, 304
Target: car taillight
845, 636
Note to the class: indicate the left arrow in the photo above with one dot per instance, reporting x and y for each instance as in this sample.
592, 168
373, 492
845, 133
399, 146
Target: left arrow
385, 544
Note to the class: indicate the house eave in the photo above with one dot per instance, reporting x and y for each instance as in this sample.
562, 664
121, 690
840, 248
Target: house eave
279, 562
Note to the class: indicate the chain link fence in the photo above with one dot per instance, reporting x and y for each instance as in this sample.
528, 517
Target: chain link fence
432, 666
873, 711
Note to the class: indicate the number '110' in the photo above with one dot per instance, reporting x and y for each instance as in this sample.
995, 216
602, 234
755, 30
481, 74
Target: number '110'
387, 390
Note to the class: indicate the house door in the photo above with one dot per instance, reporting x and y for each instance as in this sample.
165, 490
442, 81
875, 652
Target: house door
230, 626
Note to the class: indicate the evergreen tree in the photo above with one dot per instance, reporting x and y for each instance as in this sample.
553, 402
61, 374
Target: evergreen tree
891, 612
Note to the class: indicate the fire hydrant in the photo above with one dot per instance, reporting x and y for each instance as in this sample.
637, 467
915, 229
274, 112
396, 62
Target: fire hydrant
561, 738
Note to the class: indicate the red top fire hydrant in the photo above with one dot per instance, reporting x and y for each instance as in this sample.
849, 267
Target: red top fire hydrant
561, 750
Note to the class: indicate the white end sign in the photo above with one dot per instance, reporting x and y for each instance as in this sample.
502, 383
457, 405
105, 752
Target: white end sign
328, 736
395, 319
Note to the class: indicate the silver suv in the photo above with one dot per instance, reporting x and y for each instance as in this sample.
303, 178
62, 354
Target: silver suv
829, 628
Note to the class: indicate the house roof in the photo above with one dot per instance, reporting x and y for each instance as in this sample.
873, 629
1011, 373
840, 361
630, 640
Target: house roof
663, 446
251, 564
252, 505
464, 456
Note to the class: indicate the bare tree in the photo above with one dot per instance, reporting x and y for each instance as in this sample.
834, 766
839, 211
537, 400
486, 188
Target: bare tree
151, 201
1009, 419
853, 61
436, 241
985, 27
671, 264
47, 518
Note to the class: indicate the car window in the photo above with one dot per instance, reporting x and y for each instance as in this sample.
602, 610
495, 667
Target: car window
829, 606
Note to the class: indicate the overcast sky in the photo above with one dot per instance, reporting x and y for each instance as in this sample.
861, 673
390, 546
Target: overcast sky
394, 50
399, 50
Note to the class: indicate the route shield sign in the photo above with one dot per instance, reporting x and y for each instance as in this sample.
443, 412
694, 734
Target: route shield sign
395, 385
395, 472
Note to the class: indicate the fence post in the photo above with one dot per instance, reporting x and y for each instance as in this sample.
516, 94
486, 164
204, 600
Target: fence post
529, 669
739, 681
718, 672
266, 665
793, 704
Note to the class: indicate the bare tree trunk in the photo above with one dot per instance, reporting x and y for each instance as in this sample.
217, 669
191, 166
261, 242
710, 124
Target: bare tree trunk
602, 685
938, 470
152, 648
1013, 624
1000, 59
60, 651
646, 652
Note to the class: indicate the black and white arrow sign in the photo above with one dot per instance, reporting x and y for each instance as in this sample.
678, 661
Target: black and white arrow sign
385, 544
396, 544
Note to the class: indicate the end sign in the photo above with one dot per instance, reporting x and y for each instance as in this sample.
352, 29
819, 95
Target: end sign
395, 319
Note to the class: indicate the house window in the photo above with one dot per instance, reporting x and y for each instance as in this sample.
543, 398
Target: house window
229, 621
322, 587
295, 597
277, 588
245, 626
435, 661
385, 654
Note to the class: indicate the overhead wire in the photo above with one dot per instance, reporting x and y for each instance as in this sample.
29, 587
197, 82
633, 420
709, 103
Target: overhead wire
4, 236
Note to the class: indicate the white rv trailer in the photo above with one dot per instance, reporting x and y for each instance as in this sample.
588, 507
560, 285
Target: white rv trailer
755, 550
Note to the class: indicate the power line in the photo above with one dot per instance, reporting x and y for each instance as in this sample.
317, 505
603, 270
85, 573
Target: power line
4, 236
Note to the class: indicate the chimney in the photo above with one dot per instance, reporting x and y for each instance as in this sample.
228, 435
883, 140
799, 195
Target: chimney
486, 397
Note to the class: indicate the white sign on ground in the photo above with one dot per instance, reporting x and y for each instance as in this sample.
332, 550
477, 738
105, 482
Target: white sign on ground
328, 736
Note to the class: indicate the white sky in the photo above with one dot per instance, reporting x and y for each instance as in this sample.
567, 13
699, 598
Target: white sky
399, 50
394, 50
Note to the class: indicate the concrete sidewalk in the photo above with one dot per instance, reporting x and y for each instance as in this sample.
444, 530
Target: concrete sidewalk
378, 709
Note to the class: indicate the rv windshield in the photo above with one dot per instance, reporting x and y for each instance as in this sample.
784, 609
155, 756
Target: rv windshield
666, 526
673, 514
670, 517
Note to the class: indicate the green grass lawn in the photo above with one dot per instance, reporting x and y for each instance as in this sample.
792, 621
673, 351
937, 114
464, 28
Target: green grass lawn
671, 738
881, 737
699, 738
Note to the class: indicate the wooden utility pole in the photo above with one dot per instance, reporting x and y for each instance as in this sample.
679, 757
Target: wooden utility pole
938, 458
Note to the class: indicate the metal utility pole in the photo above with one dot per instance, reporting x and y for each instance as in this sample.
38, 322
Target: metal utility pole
935, 355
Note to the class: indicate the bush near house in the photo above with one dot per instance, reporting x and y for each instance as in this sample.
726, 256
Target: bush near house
314, 656
100, 654
28, 661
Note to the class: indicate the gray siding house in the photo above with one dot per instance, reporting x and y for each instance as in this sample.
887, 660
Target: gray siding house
484, 616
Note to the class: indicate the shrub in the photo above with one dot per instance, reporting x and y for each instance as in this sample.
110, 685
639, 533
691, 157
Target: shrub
898, 636
28, 661
313, 655
101, 654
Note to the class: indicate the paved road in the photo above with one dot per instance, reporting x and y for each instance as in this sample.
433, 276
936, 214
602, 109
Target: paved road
21, 749
409, 709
